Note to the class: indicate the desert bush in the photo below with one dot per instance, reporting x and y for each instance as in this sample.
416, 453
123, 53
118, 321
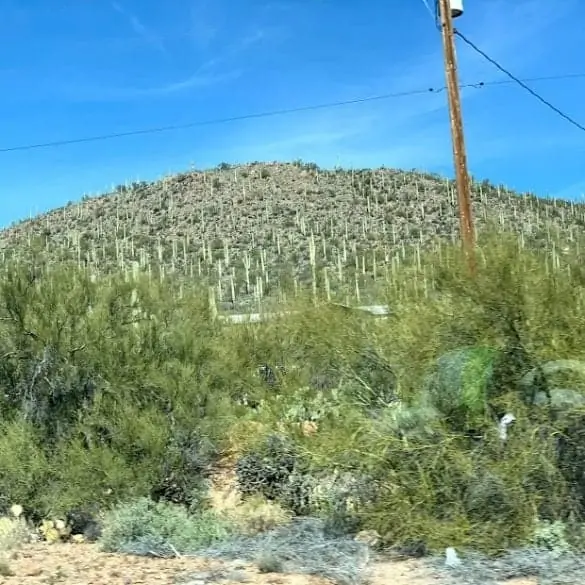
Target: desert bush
14, 532
266, 469
276, 469
551, 536
118, 388
462, 359
99, 476
24, 466
143, 527
45, 377
98, 396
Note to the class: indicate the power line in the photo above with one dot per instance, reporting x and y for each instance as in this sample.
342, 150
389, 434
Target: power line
520, 82
272, 113
429, 9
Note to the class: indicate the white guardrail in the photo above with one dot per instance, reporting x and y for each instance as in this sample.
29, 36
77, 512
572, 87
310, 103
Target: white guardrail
379, 311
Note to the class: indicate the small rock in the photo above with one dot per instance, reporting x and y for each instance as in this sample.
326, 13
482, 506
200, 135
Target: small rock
452, 560
60, 524
34, 572
16, 510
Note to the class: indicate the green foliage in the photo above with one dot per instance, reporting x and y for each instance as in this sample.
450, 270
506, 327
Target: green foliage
116, 389
144, 527
44, 377
102, 385
98, 475
369, 381
23, 466
551, 536
461, 381
306, 404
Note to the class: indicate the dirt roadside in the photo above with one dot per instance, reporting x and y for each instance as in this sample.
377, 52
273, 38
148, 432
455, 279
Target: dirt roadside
84, 564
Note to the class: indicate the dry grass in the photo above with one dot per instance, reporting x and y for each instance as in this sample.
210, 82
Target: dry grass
256, 514
14, 532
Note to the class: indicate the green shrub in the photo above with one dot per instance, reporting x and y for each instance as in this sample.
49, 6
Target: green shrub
551, 536
115, 388
145, 527
24, 467
98, 476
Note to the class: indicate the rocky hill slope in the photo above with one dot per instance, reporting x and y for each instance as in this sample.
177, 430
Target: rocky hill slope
256, 229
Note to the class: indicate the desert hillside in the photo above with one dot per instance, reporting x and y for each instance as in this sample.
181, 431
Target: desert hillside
258, 229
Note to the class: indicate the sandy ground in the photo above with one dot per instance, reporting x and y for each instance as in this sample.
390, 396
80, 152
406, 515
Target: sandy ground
84, 564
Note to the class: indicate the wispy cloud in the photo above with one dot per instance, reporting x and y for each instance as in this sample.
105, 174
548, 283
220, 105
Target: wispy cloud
212, 32
140, 28
101, 93
203, 29
218, 66
314, 132
316, 135
414, 131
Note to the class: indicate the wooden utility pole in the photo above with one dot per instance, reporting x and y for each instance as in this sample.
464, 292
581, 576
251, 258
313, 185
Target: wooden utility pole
458, 139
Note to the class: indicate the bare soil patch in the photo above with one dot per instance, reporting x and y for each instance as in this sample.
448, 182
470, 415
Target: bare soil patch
84, 564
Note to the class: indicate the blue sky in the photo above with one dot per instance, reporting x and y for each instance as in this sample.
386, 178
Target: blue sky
74, 68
